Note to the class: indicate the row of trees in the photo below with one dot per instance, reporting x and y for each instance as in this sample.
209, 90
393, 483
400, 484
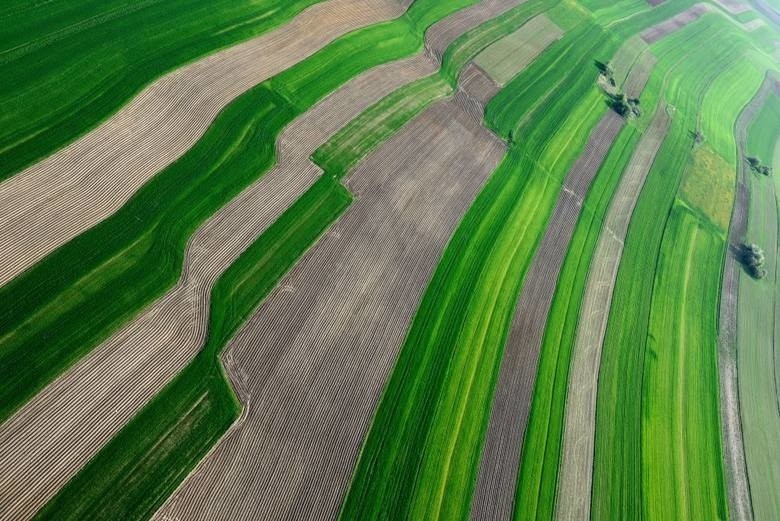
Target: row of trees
753, 258
758, 167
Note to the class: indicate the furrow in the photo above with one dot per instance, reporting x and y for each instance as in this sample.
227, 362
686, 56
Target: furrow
51, 202
316, 355
79, 412
731, 429
662, 29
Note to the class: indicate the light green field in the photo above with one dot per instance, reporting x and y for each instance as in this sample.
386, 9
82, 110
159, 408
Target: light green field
426, 438
757, 324
636, 438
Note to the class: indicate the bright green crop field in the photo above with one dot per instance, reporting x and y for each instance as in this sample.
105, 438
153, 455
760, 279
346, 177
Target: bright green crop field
558, 68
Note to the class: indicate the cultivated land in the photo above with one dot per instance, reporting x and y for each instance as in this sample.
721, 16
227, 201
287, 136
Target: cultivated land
293, 360
749, 306
327, 117
399, 259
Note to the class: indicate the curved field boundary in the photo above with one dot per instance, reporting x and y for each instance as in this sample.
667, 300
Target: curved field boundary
621, 483
499, 467
574, 478
315, 356
51, 202
677, 22
168, 334
740, 505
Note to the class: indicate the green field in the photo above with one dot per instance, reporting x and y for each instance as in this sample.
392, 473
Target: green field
75, 63
630, 475
658, 455
196, 408
57, 311
757, 327
455, 343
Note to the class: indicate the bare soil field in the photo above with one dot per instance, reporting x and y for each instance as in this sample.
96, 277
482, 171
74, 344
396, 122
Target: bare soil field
574, 479
51, 202
311, 364
495, 490
690, 15
738, 487
67, 423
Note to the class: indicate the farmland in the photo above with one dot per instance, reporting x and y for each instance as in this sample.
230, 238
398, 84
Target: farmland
395, 259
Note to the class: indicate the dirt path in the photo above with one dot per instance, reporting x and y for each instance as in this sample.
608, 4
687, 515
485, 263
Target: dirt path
51, 202
49, 439
496, 484
734, 455
575, 474
313, 360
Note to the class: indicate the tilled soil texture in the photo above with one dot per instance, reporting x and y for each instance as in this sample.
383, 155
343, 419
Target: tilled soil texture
311, 364
496, 484
51, 202
574, 479
67, 423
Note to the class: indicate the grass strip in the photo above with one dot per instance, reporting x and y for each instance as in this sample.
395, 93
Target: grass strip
620, 489
425, 442
60, 309
140, 467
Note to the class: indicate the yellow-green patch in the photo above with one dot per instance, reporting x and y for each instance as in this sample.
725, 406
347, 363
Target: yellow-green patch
708, 186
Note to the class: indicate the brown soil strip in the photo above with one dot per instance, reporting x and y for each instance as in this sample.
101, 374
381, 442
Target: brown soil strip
51, 202
575, 474
662, 29
313, 360
475, 89
734, 455
496, 483
47, 441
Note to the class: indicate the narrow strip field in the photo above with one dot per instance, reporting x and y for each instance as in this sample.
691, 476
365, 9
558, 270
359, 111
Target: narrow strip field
749, 306
209, 253
574, 479
332, 337
740, 506
53, 201
508, 56
658, 450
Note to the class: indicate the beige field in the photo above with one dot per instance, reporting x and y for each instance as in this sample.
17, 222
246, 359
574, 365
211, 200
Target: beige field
51, 202
504, 59
55, 434
312, 362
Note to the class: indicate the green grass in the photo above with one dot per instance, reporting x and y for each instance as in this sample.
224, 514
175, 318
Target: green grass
707, 90
425, 442
682, 473
153, 453
537, 481
57, 311
757, 329
72, 64
139, 468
